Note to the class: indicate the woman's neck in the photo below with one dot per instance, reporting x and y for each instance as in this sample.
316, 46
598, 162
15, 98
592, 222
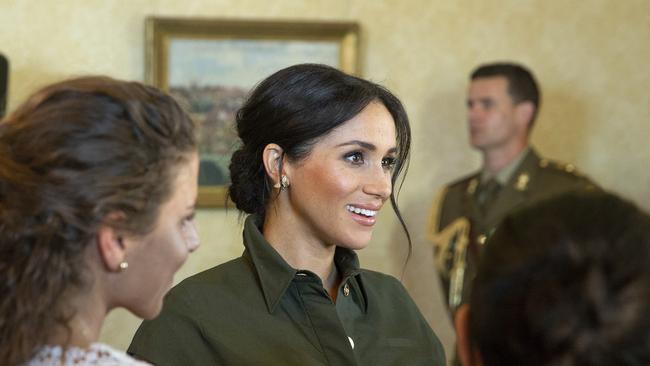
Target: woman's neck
85, 325
303, 250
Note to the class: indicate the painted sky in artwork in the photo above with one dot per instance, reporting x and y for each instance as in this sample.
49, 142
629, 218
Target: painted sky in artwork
240, 63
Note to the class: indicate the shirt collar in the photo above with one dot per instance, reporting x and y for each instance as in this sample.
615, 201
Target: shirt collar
504, 175
275, 274
347, 262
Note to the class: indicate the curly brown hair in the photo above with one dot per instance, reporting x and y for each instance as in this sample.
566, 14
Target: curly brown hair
73, 153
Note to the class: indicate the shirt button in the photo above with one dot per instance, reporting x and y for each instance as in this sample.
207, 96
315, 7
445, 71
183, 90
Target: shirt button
346, 290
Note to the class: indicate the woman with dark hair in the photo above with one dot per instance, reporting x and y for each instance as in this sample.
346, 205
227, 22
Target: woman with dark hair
563, 282
320, 154
97, 188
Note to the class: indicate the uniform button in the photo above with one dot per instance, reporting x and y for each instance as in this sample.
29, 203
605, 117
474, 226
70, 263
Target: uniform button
481, 239
351, 342
346, 290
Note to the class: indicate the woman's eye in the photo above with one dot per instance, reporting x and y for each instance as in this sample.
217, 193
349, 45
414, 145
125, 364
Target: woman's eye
355, 158
388, 162
189, 218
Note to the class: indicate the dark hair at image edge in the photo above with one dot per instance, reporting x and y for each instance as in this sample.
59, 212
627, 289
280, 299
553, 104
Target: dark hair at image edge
70, 156
295, 108
566, 282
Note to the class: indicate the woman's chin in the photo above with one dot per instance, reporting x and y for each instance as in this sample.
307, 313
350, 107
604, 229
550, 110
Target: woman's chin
356, 244
149, 312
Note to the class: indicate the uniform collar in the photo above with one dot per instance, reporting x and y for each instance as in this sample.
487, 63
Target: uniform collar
504, 175
275, 274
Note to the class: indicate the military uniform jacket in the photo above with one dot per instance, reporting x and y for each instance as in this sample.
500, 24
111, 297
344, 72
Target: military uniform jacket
258, 310
459, 227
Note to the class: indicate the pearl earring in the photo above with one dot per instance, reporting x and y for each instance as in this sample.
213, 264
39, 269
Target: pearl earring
283, 184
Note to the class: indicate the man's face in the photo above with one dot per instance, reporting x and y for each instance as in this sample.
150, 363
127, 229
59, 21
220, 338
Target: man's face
492, 116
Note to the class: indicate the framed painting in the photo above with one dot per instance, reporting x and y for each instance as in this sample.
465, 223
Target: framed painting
210, 65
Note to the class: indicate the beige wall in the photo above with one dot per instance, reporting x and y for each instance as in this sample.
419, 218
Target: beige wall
590, 56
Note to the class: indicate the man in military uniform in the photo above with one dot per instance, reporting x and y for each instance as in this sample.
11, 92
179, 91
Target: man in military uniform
502, 103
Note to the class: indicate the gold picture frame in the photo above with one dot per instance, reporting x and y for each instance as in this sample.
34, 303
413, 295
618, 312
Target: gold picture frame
209, 65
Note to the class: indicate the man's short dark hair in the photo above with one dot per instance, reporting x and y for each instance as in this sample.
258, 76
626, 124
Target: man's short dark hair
522, 86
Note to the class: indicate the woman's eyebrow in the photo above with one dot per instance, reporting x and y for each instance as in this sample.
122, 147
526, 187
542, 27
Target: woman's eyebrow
365, 145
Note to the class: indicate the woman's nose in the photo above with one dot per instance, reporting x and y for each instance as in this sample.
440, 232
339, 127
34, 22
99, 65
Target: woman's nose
191, 236
379, 183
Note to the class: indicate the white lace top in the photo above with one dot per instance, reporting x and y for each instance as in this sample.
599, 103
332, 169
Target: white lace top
98, 354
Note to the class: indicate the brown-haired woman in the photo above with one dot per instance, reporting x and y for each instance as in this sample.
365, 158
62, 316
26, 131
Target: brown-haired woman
97, 190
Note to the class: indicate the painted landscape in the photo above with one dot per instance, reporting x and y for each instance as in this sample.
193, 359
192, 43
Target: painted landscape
212, 77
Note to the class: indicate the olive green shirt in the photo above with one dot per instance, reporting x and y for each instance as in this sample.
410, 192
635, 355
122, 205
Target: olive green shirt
257, 310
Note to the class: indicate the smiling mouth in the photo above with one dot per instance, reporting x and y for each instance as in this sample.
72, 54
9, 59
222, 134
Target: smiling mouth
361, 211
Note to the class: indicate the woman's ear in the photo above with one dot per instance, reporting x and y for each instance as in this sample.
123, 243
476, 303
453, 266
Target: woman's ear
272, 157
467, 355
111, 248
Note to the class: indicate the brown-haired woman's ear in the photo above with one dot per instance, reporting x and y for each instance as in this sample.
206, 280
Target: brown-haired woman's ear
111, 249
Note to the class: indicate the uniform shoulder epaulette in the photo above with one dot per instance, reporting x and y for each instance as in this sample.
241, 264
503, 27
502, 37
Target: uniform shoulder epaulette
566, 168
